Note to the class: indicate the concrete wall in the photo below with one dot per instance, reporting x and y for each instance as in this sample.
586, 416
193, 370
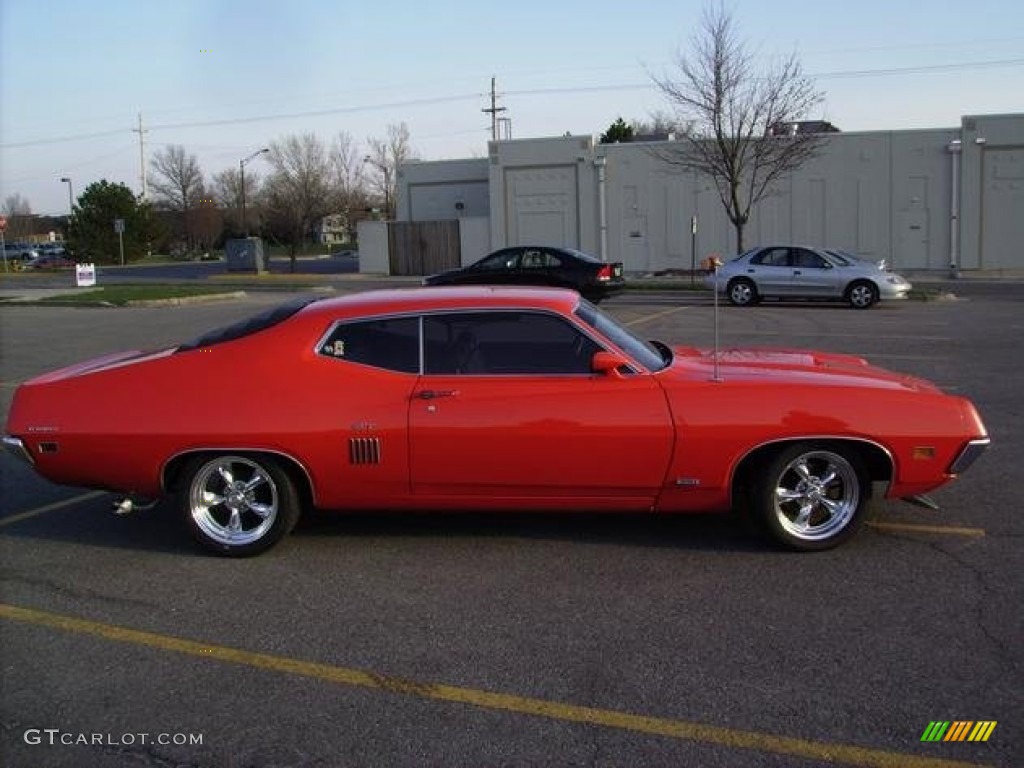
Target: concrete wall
923, 199
373, 247
441, 190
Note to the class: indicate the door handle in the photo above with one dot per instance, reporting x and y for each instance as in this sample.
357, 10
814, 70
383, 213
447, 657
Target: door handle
797, 272
433, 394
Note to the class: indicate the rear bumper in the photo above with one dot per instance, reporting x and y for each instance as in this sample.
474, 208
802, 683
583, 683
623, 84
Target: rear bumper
16, 448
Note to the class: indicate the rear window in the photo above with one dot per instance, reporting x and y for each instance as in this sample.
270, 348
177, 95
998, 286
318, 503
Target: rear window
249, 326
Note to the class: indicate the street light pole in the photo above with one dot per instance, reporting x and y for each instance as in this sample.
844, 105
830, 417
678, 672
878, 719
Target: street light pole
71, 203
241, 171
386, 172
71, 195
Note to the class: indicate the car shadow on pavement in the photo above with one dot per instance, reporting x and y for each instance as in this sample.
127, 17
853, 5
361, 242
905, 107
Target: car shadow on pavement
160, 529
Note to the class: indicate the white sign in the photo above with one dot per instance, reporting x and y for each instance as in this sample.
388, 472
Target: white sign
119, 226
85, 275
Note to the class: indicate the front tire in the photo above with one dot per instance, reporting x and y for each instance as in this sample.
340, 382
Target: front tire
742, 293
862, 294
238, 505
812, 497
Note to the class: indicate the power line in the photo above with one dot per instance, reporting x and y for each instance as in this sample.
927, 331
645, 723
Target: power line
839, 74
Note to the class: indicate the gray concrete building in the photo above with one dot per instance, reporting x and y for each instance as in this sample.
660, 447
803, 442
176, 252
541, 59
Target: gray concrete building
936, 199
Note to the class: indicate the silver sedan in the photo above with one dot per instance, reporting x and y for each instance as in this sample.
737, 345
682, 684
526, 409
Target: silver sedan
797, 272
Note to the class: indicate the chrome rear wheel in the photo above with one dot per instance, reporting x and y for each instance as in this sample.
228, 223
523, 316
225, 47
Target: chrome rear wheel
237, 504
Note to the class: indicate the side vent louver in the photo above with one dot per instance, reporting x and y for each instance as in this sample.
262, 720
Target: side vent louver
364, 450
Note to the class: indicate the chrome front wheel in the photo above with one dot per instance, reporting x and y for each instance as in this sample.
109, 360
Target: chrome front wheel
238, 505
813, 497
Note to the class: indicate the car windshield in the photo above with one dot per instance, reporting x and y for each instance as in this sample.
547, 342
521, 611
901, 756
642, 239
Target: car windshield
843, 257
650, 356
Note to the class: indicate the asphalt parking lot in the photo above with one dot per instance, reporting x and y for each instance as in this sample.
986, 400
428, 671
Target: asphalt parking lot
500, 640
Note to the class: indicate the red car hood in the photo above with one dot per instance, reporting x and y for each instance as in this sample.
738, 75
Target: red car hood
792, 365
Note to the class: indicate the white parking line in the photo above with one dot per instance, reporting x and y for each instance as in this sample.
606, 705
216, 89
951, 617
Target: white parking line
50, 508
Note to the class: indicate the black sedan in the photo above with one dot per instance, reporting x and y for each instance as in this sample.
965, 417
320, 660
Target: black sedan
540, 265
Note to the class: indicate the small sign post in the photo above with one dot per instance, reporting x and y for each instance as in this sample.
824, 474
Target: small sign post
119, 228
3, 244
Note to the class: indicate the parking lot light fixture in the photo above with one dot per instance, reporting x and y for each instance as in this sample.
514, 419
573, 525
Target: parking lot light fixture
71, 195
241, 171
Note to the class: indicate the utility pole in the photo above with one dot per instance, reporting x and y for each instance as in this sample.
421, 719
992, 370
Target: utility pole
493, 111
142, 155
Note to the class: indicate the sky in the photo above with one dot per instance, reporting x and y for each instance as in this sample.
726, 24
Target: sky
225, 78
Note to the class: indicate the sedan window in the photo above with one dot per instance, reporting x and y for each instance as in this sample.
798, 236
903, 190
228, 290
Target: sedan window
772, 257
389, 343
505, 343
808, 259
498, 261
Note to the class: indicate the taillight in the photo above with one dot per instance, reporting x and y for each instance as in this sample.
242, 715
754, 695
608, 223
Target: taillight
605, 272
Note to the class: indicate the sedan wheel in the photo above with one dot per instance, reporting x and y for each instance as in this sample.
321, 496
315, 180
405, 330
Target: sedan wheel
742, 293
862, 295
813, 498
238, 505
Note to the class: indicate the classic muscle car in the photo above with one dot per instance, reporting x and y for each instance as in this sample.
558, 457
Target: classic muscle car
473, 398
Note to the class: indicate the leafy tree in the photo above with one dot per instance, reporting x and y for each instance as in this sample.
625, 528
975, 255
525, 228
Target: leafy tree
732, 110
92, 225
618, 132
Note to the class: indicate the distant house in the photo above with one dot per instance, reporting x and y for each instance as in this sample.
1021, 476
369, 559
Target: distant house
334, 229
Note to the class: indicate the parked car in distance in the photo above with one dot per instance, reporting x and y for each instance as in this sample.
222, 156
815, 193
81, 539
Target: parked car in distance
51, 249
486, 398
48, 261
540, 265
798, 272
18, 253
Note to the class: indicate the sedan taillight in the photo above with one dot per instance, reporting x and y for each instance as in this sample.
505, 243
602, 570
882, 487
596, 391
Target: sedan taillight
605, 272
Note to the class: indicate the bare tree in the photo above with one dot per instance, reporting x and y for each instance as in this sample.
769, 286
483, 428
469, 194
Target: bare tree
227, 191
732, 112
178, 184
348, 180
19, 216
298, 192
385, 156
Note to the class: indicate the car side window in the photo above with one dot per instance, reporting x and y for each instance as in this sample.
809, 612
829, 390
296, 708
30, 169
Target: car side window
772, 257
534, 258
499, 261
505, 343
807, 259
389, 343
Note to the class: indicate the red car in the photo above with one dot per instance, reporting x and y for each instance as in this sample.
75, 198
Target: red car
517, 399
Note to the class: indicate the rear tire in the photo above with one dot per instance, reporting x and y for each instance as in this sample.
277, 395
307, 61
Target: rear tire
238, 505
811, 496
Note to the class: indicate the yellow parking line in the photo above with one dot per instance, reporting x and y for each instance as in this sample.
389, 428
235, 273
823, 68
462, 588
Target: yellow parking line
50, 508
678, 729
655, 316
951, 530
